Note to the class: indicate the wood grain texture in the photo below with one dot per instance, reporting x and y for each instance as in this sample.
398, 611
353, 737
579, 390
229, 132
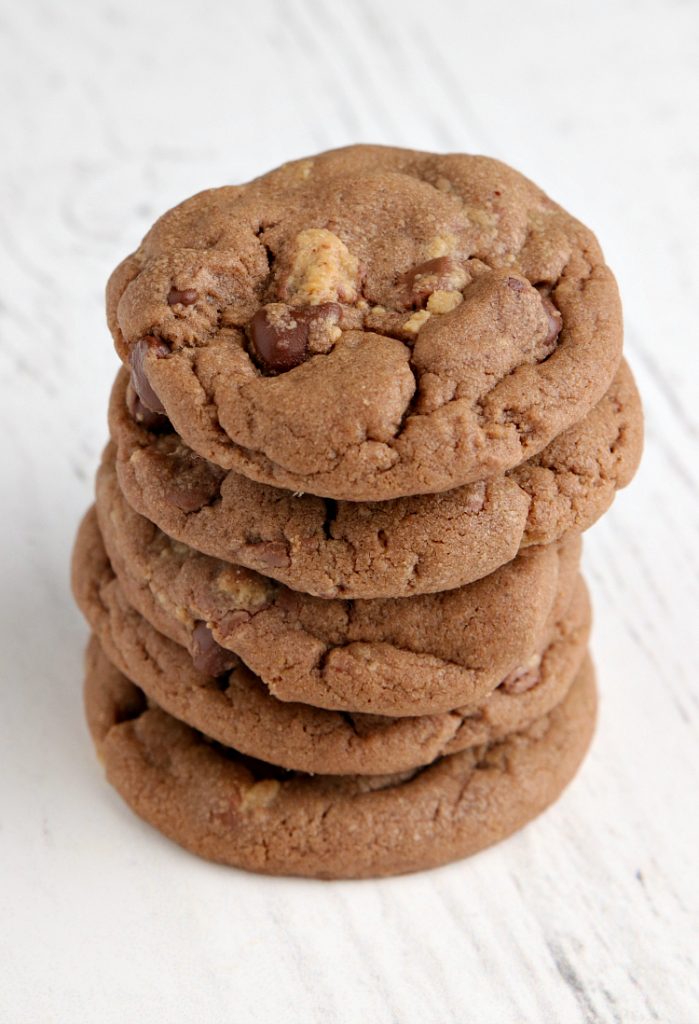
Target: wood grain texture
112, 111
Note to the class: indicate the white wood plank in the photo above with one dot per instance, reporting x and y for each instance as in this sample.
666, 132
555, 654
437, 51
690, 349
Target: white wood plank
114, 111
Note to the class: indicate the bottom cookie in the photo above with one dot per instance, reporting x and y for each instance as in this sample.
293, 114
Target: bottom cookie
231, 809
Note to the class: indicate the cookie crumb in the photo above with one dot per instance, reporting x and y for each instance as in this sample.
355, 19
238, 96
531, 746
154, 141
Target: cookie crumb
261, 794
441, 245
443, 301
416, 322
247, 589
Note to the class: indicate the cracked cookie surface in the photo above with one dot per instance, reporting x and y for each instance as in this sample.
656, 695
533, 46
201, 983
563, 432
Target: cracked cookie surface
415, 545
369, 323
408, 656
227, 808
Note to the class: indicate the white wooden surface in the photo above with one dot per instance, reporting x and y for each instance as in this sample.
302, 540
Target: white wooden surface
111, 111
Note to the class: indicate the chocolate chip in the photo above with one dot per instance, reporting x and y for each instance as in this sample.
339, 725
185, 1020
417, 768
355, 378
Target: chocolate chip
439, 267
516, 285
191, 482
154, 422
187, 297
208, 655
238, 617
474, 497
131, 706
520, 680
440, 274
272, 554
139, 380
279, 334
555, 320
229, 817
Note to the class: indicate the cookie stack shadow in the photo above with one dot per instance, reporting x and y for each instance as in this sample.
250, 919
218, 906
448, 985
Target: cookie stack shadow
298, 684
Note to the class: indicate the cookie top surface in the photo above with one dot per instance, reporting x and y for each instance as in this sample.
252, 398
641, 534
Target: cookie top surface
406, 546
406, 656
369, 323
226, 808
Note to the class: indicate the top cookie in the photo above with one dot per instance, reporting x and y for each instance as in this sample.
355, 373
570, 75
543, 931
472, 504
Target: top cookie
369, 323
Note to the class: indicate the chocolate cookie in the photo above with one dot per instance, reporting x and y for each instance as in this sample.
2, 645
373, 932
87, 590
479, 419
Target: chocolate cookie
236, 708
223, 699
227, 808
409, 656
414, 545
369, 323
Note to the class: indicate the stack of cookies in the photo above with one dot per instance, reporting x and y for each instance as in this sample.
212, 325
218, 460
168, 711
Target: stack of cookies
369, 403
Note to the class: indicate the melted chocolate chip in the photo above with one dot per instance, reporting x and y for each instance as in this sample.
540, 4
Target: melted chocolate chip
235, 618
520, 680
139, 380
475, 497
191, 482
273, 554
132, 706
154, 422
440, 274
516, 285
555, 320
439, 267
187, 297
208, 655
279, 334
